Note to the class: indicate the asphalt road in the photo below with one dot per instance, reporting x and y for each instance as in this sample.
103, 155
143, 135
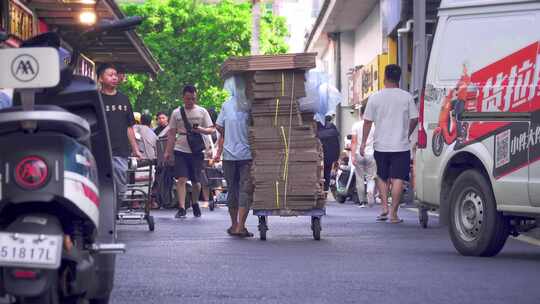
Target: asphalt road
357, 261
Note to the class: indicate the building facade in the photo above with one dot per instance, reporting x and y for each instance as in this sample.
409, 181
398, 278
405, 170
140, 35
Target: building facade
355, 40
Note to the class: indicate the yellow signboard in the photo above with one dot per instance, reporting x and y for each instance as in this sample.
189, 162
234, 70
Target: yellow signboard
368, 79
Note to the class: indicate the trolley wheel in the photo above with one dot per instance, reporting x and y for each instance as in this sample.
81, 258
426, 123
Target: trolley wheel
333, 190
151, 223
316, 227
356, 198
263, 227
212, 205
423, 217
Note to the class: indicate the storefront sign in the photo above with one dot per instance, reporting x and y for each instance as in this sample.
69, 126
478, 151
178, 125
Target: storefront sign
370, 78
367, 79
355, 86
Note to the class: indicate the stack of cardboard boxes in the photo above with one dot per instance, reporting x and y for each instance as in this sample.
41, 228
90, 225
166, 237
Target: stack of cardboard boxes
287, 157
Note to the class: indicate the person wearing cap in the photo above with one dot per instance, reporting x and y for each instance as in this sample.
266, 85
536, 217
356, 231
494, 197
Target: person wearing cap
137, 117
146, 138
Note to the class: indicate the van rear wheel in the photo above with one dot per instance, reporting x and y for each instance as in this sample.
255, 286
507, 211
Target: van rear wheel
476, 227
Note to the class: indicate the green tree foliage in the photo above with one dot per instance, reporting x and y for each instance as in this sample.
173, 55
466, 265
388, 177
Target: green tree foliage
191, 40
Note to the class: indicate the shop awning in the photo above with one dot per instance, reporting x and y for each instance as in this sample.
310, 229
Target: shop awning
127, 50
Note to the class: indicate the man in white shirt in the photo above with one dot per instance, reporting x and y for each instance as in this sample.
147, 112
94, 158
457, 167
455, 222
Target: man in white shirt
395, 115
365, 165
188, 164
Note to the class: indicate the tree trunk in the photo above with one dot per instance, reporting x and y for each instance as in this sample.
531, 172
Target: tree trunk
255, 33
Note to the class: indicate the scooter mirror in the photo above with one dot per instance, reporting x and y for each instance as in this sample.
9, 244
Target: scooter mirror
29, 68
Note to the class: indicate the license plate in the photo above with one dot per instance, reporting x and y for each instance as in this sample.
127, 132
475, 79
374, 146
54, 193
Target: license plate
30, 250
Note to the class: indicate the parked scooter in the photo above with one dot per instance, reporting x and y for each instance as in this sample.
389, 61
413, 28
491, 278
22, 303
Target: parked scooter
343, 185
57, 196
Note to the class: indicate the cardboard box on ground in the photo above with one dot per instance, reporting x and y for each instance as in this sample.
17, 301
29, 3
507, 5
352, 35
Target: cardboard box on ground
287, 157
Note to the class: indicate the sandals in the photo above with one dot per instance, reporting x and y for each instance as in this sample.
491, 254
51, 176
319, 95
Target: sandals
244, 234
382, 217
396, 221
230, 231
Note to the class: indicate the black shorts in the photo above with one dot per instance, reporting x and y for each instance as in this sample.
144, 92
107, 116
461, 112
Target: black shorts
393, 165
188, 165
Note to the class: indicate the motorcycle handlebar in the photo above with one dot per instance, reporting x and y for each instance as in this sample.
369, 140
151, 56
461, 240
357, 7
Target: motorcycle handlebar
134, 163
123, 25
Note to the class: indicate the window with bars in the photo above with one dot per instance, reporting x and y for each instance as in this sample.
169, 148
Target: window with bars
3, 15
86, 67
21, 21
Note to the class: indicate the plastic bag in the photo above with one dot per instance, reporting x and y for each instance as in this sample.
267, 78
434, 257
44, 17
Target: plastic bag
311, 102
321, 98
236, 87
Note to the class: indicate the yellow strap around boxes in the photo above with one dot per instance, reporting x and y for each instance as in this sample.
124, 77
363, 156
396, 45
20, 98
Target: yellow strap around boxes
282, 84
276, 115
277, 194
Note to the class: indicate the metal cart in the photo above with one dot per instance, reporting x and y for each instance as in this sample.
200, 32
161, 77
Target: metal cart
139, 189
218, 187
316, 215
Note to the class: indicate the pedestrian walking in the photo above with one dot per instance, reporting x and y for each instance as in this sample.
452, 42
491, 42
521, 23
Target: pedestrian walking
395, 116
209, 155
232, 124
120, 121
146, 138
329, 137
190, 122
163, 122
366, 168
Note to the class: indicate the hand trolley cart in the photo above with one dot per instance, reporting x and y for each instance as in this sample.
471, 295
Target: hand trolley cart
138, 192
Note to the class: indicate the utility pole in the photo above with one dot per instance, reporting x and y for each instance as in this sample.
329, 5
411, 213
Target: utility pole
256, 26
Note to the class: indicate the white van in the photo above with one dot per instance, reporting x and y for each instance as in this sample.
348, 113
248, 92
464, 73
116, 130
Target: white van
479, 135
